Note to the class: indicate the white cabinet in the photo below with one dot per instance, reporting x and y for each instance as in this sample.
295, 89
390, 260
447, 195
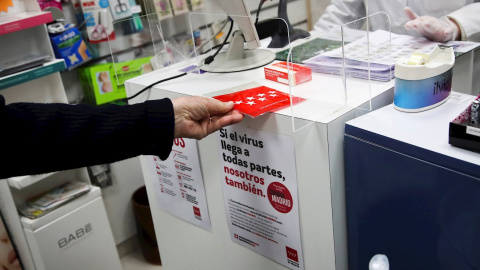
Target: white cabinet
80, 239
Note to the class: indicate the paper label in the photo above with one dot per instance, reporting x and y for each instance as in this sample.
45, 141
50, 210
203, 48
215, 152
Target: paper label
473, 131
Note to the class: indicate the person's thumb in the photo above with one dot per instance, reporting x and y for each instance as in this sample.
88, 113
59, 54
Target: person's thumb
218, 107
410, 14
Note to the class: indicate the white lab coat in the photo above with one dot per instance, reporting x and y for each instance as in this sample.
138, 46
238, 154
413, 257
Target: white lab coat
465, 12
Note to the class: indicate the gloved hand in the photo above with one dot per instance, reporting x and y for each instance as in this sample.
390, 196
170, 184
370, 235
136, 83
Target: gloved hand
436, 29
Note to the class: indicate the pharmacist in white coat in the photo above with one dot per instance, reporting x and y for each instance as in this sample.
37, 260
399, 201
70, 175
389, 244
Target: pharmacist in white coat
437, 20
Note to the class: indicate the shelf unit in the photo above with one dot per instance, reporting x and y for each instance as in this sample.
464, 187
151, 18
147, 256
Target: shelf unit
20, 182
24, 34
51, 67
21, 21
40, 84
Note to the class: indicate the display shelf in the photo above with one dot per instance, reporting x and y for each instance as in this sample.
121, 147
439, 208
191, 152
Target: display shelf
27, 180
32, 74
34, 224
24, 20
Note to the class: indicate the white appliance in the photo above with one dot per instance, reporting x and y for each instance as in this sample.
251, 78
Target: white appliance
75, 236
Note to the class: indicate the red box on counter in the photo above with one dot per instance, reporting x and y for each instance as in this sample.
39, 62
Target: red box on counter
278, 72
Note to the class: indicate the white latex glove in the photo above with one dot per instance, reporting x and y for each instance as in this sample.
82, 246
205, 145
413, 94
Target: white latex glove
436, 29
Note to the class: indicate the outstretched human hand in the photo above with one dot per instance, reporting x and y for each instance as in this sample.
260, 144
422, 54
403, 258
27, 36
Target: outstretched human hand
439, 30
196, 117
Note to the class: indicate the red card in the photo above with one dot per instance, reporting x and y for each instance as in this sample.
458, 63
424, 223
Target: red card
257, 101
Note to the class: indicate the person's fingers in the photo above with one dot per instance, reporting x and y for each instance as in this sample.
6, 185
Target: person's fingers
412, 19
410, 14
218, 122
430, 28
411, 25
205, 126
216, 106
197, 117
237, 117
222, 122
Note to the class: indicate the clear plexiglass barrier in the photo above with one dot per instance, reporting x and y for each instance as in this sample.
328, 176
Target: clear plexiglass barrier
158, 37
200, 52
217, 66
349, 65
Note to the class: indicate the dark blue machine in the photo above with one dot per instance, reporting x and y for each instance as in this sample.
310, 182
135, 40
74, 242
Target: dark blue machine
418, 207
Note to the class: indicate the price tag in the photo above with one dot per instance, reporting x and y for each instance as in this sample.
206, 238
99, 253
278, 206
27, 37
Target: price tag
136, 9
473, 131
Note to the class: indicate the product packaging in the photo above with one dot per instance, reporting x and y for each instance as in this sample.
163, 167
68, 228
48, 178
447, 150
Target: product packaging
49, 3
163, 9
120, 9
69, 45
135, 23
100, 84
278, 72
196, 4
77, 10
99, 20
464, 130
179, 6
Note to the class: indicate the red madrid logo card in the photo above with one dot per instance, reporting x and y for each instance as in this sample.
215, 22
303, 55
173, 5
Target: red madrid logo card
259, 100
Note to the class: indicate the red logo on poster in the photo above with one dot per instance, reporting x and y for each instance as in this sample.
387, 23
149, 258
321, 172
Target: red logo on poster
196, 211
279, 197
292, 254
236, 236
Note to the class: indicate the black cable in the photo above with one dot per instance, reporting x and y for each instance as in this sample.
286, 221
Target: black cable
213, 48
164, 80
258, 9
210, 59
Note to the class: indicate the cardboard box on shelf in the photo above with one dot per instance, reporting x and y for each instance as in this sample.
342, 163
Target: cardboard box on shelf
104, 83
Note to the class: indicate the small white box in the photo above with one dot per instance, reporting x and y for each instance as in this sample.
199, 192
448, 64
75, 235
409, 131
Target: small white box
80, 239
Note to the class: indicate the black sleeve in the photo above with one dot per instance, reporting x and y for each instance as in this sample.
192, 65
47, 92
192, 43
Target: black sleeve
39, 138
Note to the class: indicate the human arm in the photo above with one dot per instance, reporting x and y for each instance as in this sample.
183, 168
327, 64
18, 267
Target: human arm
40, 138
340, 12
468, 19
